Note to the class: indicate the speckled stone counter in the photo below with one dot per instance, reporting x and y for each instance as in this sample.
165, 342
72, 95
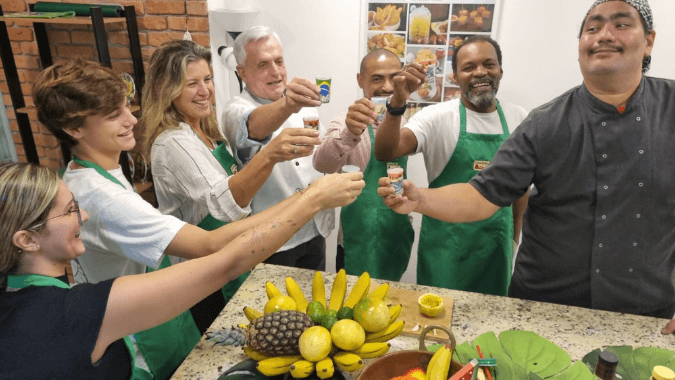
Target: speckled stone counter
576, 330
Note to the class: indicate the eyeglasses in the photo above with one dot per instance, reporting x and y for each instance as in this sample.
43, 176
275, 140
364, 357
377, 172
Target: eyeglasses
75, 208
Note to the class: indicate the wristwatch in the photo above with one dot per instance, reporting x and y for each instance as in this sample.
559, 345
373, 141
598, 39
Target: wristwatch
396, 111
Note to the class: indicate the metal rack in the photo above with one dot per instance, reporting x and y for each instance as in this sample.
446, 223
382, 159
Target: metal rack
98, 22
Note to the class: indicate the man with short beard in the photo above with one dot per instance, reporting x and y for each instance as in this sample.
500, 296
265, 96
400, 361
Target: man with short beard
459, 138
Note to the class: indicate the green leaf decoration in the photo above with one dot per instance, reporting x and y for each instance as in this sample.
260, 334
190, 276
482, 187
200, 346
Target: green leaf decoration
577, 371
635, 364
534, 353
492, 348
464, 353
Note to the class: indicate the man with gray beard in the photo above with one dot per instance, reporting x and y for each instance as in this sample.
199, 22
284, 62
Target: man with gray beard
459, 138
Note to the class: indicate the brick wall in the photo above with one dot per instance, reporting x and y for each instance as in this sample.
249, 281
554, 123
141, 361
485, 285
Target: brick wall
158, 21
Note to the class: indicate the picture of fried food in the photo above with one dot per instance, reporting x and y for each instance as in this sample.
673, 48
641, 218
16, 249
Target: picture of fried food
423, 93
425, 55
388, 16
393, 42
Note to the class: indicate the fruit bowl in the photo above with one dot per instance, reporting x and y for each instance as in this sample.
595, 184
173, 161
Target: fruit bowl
430, 304
397, 363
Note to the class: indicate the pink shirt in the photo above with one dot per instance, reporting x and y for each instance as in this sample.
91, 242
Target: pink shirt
341, 147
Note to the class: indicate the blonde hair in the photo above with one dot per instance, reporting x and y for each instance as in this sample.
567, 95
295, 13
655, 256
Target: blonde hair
66, 93
27, 193
164, 82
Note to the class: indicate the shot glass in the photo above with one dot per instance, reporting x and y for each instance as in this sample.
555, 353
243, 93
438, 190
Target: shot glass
380, 107
396, 179
311, 122
350, 169
324, 85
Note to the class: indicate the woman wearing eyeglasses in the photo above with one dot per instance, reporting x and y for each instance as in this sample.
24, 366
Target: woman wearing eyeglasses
52, 331
85, 106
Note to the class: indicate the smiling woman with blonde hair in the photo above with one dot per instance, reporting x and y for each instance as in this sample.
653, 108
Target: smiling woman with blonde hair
194, 174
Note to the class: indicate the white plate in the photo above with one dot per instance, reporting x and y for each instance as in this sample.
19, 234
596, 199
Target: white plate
432, 91
436, 27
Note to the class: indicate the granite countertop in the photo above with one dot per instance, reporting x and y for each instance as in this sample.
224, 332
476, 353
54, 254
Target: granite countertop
576, 330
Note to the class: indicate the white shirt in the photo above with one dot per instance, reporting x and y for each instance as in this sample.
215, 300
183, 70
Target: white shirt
287, 177
189, 182
437, 128
124, 233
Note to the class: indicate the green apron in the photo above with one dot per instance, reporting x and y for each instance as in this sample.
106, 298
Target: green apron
375, 238
23, 281
209, 223
468, 256
165, 346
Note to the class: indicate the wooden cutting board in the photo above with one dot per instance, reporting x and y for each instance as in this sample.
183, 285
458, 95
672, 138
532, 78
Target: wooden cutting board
410, 313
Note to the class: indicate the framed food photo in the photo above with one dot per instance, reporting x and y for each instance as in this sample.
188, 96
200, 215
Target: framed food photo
427, 32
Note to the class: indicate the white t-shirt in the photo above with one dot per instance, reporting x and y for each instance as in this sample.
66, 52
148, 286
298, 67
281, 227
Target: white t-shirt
437, 128
189, 182
124, 233
287, 177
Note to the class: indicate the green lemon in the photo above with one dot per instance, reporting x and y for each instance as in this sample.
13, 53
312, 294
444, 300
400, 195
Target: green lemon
331, 312
345, 313
316, 311
328, 321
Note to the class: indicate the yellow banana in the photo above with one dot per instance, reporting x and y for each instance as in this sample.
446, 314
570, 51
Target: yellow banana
440, 369
394, 312
389, 332
325, 368
431, 368
277, 365
380, 292
293, 290
360, 290
251, 313
337, 294
372, 350
347, 361
319, 289
272, 290
255, 355
301, 369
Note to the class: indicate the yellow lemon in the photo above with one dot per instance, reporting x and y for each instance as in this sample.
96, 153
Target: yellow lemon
372, 314
315, 343
347, 334
280, 302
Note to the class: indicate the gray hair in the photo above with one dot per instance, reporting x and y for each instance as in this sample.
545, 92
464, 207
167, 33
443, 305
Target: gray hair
255, 33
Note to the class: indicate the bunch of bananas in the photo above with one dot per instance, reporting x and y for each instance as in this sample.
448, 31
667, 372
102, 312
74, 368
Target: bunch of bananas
374, 345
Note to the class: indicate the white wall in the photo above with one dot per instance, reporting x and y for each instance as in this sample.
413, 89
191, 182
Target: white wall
538, 40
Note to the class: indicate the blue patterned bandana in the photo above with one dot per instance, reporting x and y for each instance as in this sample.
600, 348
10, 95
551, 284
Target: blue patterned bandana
642, 6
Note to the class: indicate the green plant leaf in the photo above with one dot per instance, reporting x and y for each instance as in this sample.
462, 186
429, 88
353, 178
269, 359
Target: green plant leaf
635, 364
577, 371
492, 348
534, 353
464, 353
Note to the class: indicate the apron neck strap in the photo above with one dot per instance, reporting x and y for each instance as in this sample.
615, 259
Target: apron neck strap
462, 118
25, 280
99, 169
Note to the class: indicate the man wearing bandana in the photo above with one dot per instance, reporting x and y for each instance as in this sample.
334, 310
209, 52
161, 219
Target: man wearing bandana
599, 227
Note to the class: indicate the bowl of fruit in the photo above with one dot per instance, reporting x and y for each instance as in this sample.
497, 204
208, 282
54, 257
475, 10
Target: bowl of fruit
416, 363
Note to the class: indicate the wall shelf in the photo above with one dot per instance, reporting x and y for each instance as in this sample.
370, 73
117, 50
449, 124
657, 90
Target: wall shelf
98, 23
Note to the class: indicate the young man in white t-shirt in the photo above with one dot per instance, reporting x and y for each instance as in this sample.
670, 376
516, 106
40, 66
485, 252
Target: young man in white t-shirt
458, 139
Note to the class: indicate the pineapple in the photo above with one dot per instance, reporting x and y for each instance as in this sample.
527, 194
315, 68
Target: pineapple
274, 334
